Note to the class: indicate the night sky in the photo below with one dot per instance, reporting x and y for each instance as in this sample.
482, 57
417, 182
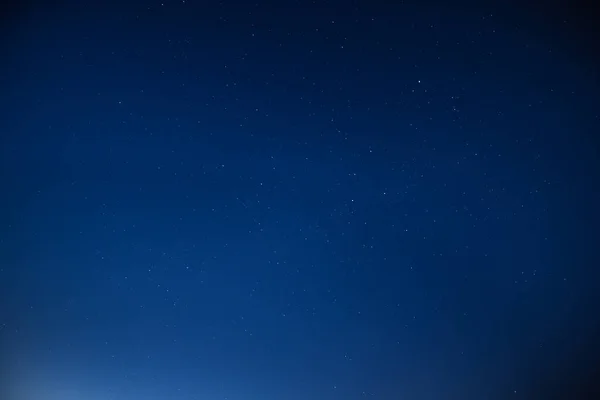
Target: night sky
290, 200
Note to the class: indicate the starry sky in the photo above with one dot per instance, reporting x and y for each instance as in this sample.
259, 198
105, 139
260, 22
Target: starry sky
240, 200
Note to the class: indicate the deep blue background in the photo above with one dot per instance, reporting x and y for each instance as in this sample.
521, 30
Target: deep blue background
295, 200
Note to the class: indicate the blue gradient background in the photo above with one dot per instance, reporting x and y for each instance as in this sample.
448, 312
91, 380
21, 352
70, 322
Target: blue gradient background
295, 200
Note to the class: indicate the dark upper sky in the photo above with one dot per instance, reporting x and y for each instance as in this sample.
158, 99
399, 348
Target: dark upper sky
296, 200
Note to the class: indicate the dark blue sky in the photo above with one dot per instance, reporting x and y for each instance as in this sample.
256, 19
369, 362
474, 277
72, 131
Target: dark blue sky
295, 200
